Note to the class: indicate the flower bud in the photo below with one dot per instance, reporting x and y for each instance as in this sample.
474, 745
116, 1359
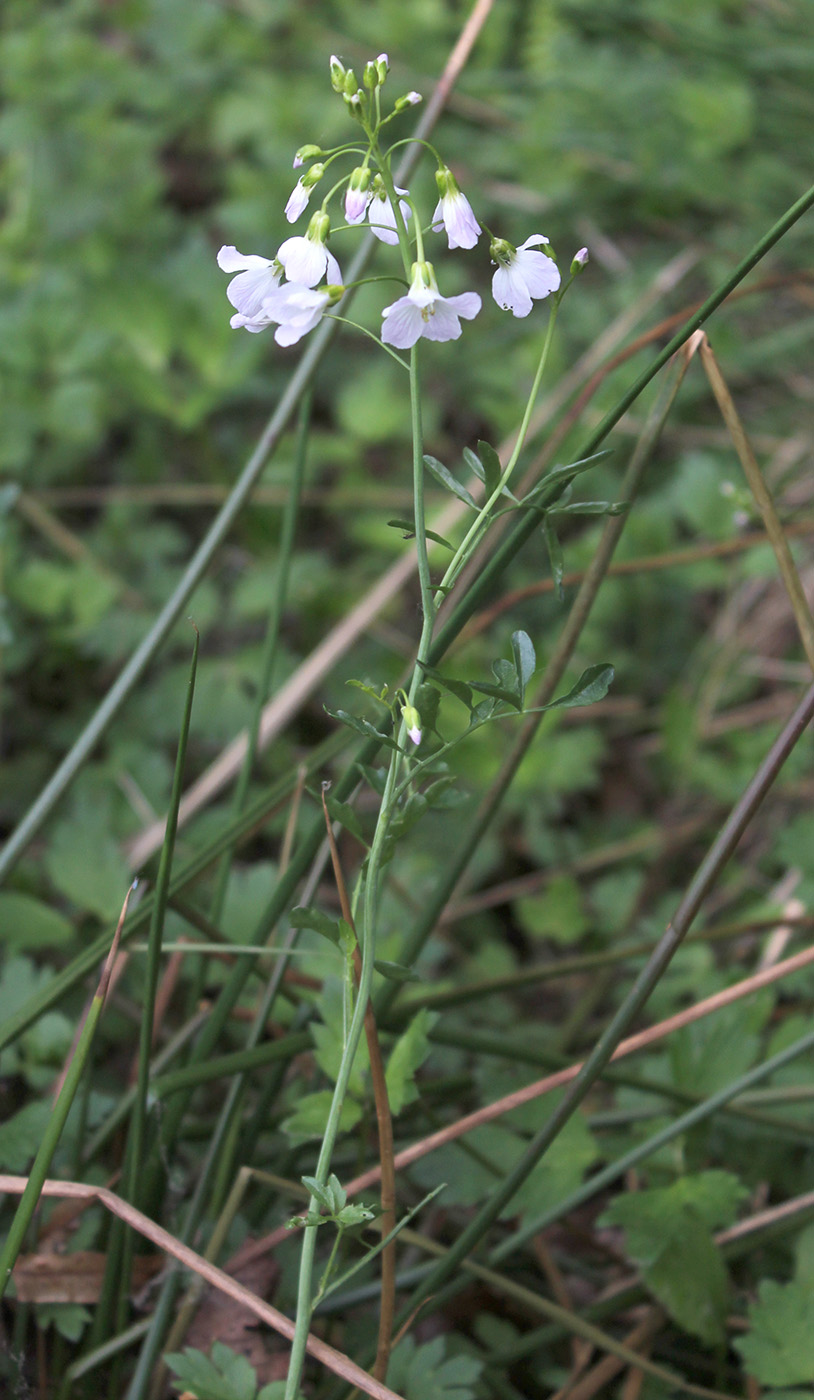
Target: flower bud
411, 99
337, 74
412, 719
370, 77
319, 228
382, 67
307, 152
350, 86
313, 176
579, 261
501, 251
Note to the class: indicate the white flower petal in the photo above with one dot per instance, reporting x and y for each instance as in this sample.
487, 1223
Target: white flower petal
297, 201
382, 219
230, 260
466, 304
248, 290
303, 259
355, 205
536, 238
333, 271
402, 324
509, 291
454, 212
540, 274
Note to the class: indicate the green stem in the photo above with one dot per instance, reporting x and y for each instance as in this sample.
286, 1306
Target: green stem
475, 530
305, 1294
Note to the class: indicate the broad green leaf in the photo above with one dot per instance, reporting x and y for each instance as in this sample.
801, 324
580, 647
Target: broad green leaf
668, 1232
311, 1115
424, 1372
224, 1376
443, 475
21, 1135
86, 863
779, 1348
592, 685
28, 923
68, 1319
408, 1055
558, 912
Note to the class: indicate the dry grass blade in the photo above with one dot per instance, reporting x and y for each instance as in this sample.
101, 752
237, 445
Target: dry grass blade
763, 499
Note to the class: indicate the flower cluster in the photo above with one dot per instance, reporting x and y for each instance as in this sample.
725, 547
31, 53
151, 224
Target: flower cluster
288, 291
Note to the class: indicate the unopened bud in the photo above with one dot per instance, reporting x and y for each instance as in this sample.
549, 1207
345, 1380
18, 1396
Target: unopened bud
370, 77
350, 86
337, 74
411, 99
412, 719
579, 261
382, 67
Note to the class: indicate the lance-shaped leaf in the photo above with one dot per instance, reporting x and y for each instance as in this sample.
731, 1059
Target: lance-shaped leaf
444, 477
525, 659
362, 726
485, 464
304, 916
408, 529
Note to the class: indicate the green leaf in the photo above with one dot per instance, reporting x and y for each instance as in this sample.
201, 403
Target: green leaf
68, 1319
28, 923
408, 1055
21, 1135
347, 817
362, 726
424, 1372
779, 1348
444, 476
492, 470
593, 508
304, 916
668, 1232
408, 528
395, 972
311, 1115
497, 692
459, 689
525, 659
224, 1376
320, 1193
592, 685
98, 884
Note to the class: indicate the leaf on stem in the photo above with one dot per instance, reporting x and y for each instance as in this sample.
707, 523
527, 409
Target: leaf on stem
445, 478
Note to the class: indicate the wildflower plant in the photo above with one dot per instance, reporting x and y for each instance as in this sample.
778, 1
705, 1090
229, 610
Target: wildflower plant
292, 291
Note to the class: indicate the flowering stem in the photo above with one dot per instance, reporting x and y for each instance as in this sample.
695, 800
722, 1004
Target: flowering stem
370, 901
475, 530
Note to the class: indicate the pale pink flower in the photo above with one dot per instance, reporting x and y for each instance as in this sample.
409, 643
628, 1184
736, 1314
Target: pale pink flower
381, 217
454, 212
257, 278
424, 312
523, 275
